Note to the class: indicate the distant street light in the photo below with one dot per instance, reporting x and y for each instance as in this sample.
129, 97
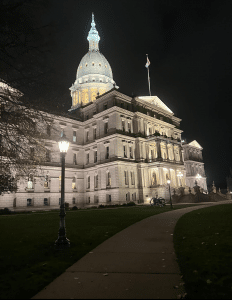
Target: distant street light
62, 242
169, 183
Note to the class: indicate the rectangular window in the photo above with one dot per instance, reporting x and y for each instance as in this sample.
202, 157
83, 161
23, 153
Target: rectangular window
106, 128
132, 178
124, 151
96, 182
74, 158
88, 182
74, 183
87, 158
73, 200
109, 198
48, 158
123, 125
87, 117
149, 130
87, 136
122, 105
46, 201
46, 182
126, 177
131, 152
29, 202
88, 200
129, 126
74, 136
105, 106
95, 156
95, 133
107, 152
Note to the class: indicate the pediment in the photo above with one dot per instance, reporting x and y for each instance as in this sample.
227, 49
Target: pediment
154, 100
195, 144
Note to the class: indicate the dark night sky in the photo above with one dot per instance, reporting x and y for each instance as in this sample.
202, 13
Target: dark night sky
189, 45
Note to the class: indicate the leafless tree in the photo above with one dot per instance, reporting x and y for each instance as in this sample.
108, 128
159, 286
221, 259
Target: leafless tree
23, 59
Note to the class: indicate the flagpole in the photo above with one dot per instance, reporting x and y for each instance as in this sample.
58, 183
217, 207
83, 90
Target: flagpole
148, 78
149, 81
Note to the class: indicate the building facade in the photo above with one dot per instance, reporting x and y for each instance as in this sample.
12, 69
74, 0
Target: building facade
121, 148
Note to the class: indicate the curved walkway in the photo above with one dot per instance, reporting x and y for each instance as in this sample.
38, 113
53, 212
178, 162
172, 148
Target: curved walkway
136, 263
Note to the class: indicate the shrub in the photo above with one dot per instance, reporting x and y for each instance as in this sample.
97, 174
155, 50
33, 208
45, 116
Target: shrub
131, 203
66, 205
74, 208
101, 206
5, 211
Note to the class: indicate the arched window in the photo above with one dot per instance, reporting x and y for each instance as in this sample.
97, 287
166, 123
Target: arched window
46, 181
96, 181
153, 179
88, 182
74, 183
30, 182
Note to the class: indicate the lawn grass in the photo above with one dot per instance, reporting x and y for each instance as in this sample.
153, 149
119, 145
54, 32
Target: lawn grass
27, 256
203, 245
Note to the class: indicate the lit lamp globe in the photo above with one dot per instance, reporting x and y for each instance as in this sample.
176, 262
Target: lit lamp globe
63, 144
198, 176
168, 181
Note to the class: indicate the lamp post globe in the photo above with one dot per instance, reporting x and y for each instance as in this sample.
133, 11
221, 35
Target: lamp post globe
62, 242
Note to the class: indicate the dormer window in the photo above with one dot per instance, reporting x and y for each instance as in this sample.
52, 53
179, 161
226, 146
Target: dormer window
99, 64
86, 64
106, 66
92, 63
80, 67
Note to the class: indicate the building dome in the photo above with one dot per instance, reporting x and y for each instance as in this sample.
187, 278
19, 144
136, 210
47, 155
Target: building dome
94, 74
93, 63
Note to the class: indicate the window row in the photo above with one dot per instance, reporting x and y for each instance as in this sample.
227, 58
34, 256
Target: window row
96, 181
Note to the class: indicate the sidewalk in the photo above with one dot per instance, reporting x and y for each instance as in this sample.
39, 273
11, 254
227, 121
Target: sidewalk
136, 263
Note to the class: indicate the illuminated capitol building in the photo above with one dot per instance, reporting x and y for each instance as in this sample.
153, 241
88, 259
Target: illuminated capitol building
121, 148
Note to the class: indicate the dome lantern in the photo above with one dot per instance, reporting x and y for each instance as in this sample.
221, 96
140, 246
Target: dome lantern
93, 37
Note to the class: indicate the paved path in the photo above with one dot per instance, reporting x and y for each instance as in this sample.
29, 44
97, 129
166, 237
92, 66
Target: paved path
136, 263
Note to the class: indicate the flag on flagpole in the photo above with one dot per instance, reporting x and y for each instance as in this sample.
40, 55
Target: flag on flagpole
148, 63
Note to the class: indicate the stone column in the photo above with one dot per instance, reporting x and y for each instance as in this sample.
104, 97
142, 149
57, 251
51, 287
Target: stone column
160, 176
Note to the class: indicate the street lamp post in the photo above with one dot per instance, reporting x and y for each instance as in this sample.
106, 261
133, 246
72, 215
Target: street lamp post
169, 184
62, 242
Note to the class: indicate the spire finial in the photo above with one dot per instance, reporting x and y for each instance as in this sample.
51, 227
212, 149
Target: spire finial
93, 23
93, 36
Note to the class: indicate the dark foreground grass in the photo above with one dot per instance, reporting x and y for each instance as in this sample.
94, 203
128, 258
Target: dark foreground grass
27, 257
203, 244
